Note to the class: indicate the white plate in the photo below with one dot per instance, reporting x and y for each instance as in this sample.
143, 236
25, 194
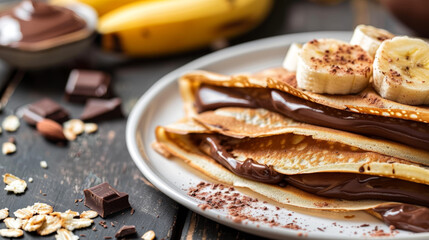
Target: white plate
161, 104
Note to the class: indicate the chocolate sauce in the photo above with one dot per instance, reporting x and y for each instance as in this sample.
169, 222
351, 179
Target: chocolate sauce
410, 133
405, 216
248, 169
350, 186
353, 186
33, 21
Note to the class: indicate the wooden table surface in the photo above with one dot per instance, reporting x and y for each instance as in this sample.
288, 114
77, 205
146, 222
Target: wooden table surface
103, 156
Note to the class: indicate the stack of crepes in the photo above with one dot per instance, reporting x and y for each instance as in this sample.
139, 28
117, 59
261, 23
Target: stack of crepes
306, 148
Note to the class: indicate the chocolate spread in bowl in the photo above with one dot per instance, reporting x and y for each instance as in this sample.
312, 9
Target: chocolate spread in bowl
33, 21
408, 132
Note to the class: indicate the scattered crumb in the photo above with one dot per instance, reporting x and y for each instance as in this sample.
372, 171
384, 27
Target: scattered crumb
90, 128
103, 223
8, 148
64, 234
14, 184
149, 235
30, 179
11, 123
88, 214
4, 213
76, 126
43, 164
11, 233
69, 135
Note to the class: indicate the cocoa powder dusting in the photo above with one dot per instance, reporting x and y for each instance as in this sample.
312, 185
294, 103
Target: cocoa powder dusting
238, 206
243, 209
346, 59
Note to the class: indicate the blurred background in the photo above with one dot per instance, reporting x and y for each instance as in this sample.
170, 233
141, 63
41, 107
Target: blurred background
148, 28
137, 42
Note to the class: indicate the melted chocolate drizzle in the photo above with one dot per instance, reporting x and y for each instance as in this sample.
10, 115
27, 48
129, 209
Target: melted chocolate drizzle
247, 169
410, 133
352, 186
405, 216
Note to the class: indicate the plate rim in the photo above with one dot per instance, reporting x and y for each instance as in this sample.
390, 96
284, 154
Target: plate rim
143, 103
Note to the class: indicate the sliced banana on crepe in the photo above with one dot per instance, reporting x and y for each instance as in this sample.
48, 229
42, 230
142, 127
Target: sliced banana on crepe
334, 67
291, 60
401, 70
369, 38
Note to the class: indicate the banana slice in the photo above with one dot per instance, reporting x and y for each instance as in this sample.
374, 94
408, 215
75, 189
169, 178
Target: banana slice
369, 38
401, 70
334, 67
291, 60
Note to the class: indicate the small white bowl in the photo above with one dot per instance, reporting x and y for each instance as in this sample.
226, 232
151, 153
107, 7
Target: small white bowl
56, 50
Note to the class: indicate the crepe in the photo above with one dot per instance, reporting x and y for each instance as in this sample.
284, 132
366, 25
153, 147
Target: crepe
289, 148
366, 102
179, 145
245, 122
308, 149
298, 149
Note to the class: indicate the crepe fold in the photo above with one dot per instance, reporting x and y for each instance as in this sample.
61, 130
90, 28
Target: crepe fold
290, 154
181, 146
366, 102
245, 122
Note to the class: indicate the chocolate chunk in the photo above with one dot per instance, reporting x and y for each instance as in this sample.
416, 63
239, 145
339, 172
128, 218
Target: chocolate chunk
45, 108
100, 109
105, 200
126, 231
85, 84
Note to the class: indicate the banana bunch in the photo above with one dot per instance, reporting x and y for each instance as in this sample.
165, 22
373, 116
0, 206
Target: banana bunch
399, 66
159, 27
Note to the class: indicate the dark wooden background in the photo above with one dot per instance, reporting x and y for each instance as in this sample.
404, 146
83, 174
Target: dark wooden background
103, 156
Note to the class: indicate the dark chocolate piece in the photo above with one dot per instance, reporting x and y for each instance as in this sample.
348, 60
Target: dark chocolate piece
105, 200
85, 84
410, 133
126, 230
100, 109
45, 108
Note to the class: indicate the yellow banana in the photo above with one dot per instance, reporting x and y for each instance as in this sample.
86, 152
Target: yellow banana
101, 6
159, 27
